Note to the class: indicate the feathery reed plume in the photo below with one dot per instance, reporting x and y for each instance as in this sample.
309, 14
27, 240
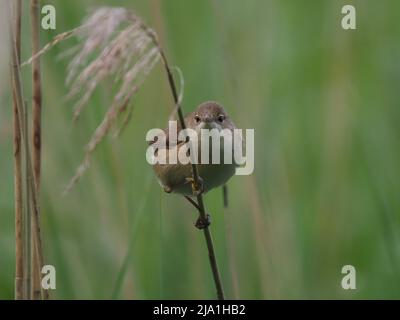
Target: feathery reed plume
57, 39
36, 136
115, 43
112, 44
19, 241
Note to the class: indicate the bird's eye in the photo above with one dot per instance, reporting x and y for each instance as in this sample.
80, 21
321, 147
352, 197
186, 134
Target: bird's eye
197, 118
221, 118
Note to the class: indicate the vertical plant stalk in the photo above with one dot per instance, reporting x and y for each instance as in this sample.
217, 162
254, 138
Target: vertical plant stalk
36, 137
28, 209
19, 242
200, 203
33, 205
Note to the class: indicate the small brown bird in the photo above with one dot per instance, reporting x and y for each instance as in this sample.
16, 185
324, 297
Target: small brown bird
177, 178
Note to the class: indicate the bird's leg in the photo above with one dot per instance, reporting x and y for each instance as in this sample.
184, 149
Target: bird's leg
225, 195
197, 186
200, 222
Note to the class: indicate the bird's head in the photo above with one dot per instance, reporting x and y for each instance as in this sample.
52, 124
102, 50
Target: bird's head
209, 115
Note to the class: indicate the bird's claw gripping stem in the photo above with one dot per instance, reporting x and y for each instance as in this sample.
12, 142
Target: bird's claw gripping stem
197, 186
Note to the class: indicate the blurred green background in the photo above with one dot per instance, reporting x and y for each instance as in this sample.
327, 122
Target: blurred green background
324, 103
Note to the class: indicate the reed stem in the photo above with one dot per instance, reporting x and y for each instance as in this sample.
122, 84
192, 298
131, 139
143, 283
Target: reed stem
200, 203
36, 136
28, 211
33, 204
19, 242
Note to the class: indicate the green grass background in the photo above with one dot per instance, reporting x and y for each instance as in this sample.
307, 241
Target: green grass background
324, 103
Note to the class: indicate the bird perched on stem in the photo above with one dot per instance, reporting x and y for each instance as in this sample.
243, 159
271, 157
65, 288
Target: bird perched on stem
177, 177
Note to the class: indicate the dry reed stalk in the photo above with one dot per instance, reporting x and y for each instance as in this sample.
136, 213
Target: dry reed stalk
115, 43
19, 243
28, 209
36, 137
37, 93
32, 205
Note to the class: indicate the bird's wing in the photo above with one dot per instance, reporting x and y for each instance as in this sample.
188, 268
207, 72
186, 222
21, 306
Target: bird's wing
167, 142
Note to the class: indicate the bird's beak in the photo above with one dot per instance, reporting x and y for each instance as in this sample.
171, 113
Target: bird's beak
209, 125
